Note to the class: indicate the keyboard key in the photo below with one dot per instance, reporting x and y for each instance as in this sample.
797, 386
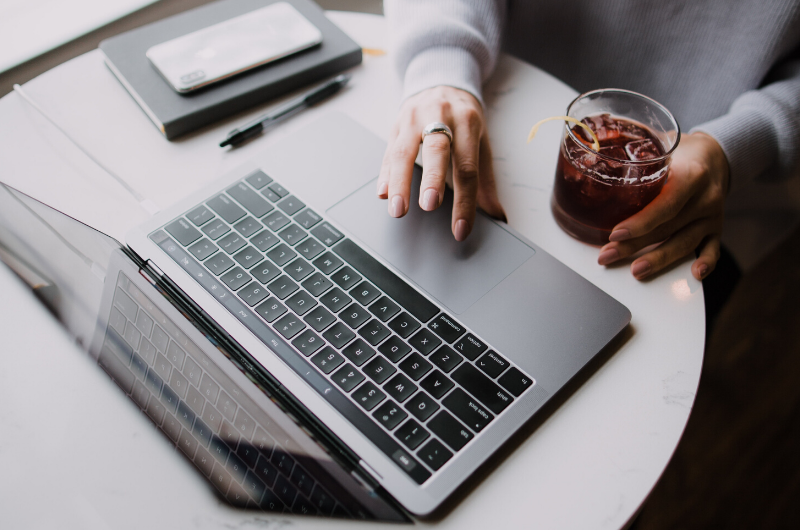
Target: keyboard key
278, 189
248, 257
384, 309
515, 381
236, 278
212, 417
253, 293
281, 255
175, 355
483, 388
322, 500
203, 249
271, 195
434, 454
184, 232
446, 359
447, 328
368, 396
365, 293
192, 371
302, 481
232, 242
346, 278
317, 284
216, 229
467, 409
251, 200
219, 264
327, 360
292, 234
394, 349
412, 434
320, 318
424, 341
226, 405
187, 444
291, 205
492, 364
299, 269
308, 343
258, 179
347, 377
395, 288
202, 432
271, 310
265, 272
450, 430
307, 218
358, 352
327, 234
283, 462
266, 471
310, 248
276, 220
285, 491
226, 208
200, 215
400, 387
301, 302
339, 335
248, 226
354, 316
404, 325
379, 369
303, 506
422, 406
415, 366
389, 415
437, 384
253, 486
282, 287
374, 332
185, 415
470, 346
248, 453
263, 442
289, 326
328, 263
264, 240
335, 300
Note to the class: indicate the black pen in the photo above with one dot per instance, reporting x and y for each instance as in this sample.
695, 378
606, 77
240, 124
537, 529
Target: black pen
255, 127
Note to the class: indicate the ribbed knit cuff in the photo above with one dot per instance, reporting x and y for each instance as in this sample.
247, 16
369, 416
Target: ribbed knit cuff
443, 65
747, 137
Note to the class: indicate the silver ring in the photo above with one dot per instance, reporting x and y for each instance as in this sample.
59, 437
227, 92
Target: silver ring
437, 127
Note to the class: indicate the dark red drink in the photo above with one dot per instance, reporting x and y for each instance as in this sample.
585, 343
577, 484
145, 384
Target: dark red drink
593, 190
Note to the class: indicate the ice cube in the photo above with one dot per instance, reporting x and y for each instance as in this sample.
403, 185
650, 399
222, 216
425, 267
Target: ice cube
604, 126
642, 150
616, 152
631, 131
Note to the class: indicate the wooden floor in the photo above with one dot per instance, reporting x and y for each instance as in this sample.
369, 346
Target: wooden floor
738, 464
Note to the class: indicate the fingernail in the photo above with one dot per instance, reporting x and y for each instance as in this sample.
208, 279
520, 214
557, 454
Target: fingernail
462, 230
430, 200
607, 256
703, 271
640, 269
620, 235
396, 209
383, 189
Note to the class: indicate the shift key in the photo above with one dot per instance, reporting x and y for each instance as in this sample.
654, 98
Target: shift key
487, 391
467, 410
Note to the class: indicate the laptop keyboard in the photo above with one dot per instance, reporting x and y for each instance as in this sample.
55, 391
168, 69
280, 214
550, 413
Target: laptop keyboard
188, 397
414, 380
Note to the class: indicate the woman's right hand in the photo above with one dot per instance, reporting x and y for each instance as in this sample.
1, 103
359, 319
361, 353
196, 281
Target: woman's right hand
470, 153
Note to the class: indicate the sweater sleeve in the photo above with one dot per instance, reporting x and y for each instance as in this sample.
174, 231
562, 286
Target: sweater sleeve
760, 134
444, 42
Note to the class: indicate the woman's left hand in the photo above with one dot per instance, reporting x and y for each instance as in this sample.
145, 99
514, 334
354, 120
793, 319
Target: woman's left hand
687, 215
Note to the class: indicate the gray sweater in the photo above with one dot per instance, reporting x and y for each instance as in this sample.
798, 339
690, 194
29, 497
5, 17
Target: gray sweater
729, 68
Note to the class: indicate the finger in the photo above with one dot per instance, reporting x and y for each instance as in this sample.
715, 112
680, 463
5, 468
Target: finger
383, 176
435, 161
401, 168
681, 244
487, 187
677, 191
707, 259
466, 157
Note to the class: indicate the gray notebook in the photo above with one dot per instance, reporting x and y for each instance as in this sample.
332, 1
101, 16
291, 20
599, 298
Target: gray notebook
176, 114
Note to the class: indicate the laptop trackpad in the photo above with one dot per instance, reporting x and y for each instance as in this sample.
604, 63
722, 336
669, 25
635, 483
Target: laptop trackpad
421, 245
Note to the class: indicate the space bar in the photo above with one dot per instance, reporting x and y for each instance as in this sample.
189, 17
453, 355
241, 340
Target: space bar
386, 280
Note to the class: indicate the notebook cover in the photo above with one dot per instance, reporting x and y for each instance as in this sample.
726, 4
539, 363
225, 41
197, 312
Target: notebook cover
176, 114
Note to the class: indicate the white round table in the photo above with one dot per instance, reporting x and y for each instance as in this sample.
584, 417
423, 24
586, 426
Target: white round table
591, 464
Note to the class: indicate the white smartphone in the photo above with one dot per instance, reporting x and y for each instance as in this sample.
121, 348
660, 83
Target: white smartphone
234, 46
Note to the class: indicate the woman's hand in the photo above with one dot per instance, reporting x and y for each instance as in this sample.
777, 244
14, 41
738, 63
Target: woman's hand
473, 176
687, 215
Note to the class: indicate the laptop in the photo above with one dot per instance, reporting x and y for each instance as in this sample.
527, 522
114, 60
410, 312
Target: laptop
410, 358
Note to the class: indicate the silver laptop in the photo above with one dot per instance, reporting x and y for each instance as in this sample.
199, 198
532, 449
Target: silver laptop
409, 356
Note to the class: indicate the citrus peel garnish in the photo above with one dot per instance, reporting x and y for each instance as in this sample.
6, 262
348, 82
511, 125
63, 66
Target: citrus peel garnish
595, 141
